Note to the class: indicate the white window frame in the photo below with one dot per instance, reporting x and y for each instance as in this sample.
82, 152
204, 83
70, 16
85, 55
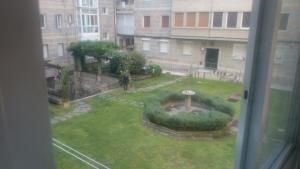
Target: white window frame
45, 51
58, 21
235, 48
44, 21
242, 18
146, 40
60, 49
184, 50
212, 20
237, 20
166, 49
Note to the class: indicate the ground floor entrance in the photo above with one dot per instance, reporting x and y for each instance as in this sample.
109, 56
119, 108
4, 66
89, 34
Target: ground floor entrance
211, 58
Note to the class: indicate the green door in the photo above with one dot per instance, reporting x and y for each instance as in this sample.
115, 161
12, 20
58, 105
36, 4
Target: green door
211, 58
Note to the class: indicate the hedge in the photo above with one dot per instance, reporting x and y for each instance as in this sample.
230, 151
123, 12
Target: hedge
217, 118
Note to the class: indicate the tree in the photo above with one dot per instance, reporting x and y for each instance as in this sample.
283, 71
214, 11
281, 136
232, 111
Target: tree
64, 84
98, 50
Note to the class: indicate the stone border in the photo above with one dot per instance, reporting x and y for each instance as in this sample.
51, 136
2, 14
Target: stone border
191, 135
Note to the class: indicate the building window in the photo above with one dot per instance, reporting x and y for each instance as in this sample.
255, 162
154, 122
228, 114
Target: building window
45, 51
146, 21
89, 23
217, 19
60, 49
105, 36
165, 20
203, 19
146, 44
58, 19
187, 49
232, 19
43, 21
191, 19
283, 21
164, 46
246, 20
70, 19
104, 11
239, 51
178, 19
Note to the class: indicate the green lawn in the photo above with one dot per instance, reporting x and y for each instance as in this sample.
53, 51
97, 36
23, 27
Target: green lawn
112, 134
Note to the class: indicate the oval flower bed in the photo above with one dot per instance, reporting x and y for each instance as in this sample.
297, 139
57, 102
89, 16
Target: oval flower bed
217, 116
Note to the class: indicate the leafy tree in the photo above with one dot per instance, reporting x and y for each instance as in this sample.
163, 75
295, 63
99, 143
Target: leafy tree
64, 84
137, 62
97, 49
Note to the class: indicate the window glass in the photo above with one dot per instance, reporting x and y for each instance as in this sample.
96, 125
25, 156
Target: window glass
284, 21
43, 21
218, 18
277, 123
164, 47
146, 21
191, 19
58, 21
203, 19
60, 49
187, 49
232, 20
146, 45
246, 20
45, 51
165, 21
178, 19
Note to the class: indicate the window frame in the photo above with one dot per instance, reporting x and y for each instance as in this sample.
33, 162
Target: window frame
43, 24
190, 53
208, 19
195, 20
213, 19
242, 19
148, 41
104, 10
62, 49
227, 18
263, 33
287, 22
162, 25
162, 41
183, 15
58, 21
145, 22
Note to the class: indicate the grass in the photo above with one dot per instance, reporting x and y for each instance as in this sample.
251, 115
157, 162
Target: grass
58, 110
152, 81
112, 134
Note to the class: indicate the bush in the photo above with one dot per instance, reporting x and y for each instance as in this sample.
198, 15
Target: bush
154, 70
220, 114
119, 61
137, 63
64, 85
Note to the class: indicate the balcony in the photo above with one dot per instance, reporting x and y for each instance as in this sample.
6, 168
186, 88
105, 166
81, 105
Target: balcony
125, 6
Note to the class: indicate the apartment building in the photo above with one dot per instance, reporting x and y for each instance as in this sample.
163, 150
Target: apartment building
67, 21
58, 29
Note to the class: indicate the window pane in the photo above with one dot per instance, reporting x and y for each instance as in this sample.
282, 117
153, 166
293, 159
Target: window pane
146, 21
60, 49
191, 19
232, 20
45, 51
284, 21
164, 47
178, 19
165, 21
218, 17
203, 19
187, 49
42, 17
246, 20
277, 124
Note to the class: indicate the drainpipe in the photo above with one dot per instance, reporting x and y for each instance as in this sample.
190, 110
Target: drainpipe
115, 22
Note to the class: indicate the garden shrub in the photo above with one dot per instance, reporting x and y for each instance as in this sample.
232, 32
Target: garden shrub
154, 70
217, 118
137, 63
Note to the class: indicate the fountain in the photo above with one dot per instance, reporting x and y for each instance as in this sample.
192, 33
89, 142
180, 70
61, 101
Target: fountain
188, 99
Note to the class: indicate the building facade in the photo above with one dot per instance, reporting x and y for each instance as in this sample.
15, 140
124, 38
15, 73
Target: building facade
67, 21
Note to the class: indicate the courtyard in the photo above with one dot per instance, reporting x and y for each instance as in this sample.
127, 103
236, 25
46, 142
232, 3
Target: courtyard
110, 129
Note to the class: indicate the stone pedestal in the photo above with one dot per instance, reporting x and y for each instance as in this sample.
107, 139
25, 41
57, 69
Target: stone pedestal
188, 99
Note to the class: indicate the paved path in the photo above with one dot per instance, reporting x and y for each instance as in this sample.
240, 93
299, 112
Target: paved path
83, 108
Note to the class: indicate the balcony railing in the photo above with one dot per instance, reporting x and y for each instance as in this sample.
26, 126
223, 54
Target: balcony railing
125, 5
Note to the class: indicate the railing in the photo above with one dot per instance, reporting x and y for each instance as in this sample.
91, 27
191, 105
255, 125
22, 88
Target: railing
125, 5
